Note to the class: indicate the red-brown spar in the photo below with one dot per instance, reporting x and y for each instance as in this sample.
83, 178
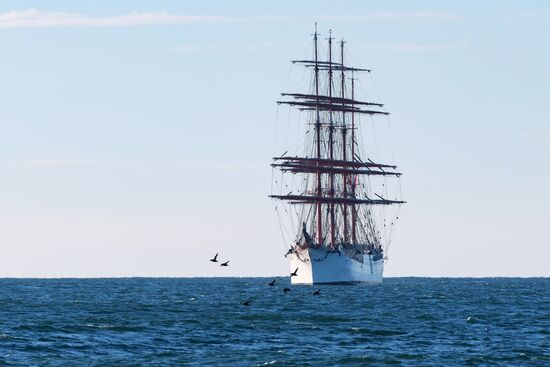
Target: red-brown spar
336, 210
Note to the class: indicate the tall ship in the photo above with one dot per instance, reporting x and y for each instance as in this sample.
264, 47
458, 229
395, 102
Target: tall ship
337, 204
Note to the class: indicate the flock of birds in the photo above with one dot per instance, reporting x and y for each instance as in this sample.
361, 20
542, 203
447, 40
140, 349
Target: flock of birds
271, 284
215, 260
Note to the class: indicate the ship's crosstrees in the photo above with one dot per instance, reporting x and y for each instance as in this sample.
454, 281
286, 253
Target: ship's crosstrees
336, 200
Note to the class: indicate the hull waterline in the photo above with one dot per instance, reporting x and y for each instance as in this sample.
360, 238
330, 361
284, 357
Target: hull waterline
321, 266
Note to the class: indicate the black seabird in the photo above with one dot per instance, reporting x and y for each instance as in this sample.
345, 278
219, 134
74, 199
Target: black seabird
215, 259
225, 263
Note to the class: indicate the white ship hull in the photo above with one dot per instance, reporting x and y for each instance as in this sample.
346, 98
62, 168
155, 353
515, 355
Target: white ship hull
319, 266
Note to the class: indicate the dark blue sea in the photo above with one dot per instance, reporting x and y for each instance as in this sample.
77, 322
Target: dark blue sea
201, 321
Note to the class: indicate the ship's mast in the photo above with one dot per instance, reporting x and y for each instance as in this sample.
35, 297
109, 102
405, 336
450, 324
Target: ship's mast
353, 212
344, 132
331, 140
318, 138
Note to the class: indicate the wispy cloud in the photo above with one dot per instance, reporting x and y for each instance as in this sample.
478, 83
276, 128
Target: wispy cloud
36, 18
423, 14
412, 47
33, 18
51, 162
224, 166
348, 17
233, 46
540, 137
523, 15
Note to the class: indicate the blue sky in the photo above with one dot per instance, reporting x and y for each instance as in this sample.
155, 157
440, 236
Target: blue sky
136, 137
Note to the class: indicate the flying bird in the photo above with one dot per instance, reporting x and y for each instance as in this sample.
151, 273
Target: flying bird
295, 273
317, 292
272, 283
215, 259
246, 303
286, 290
225, 263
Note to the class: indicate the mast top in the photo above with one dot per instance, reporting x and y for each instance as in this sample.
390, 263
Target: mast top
315, 34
